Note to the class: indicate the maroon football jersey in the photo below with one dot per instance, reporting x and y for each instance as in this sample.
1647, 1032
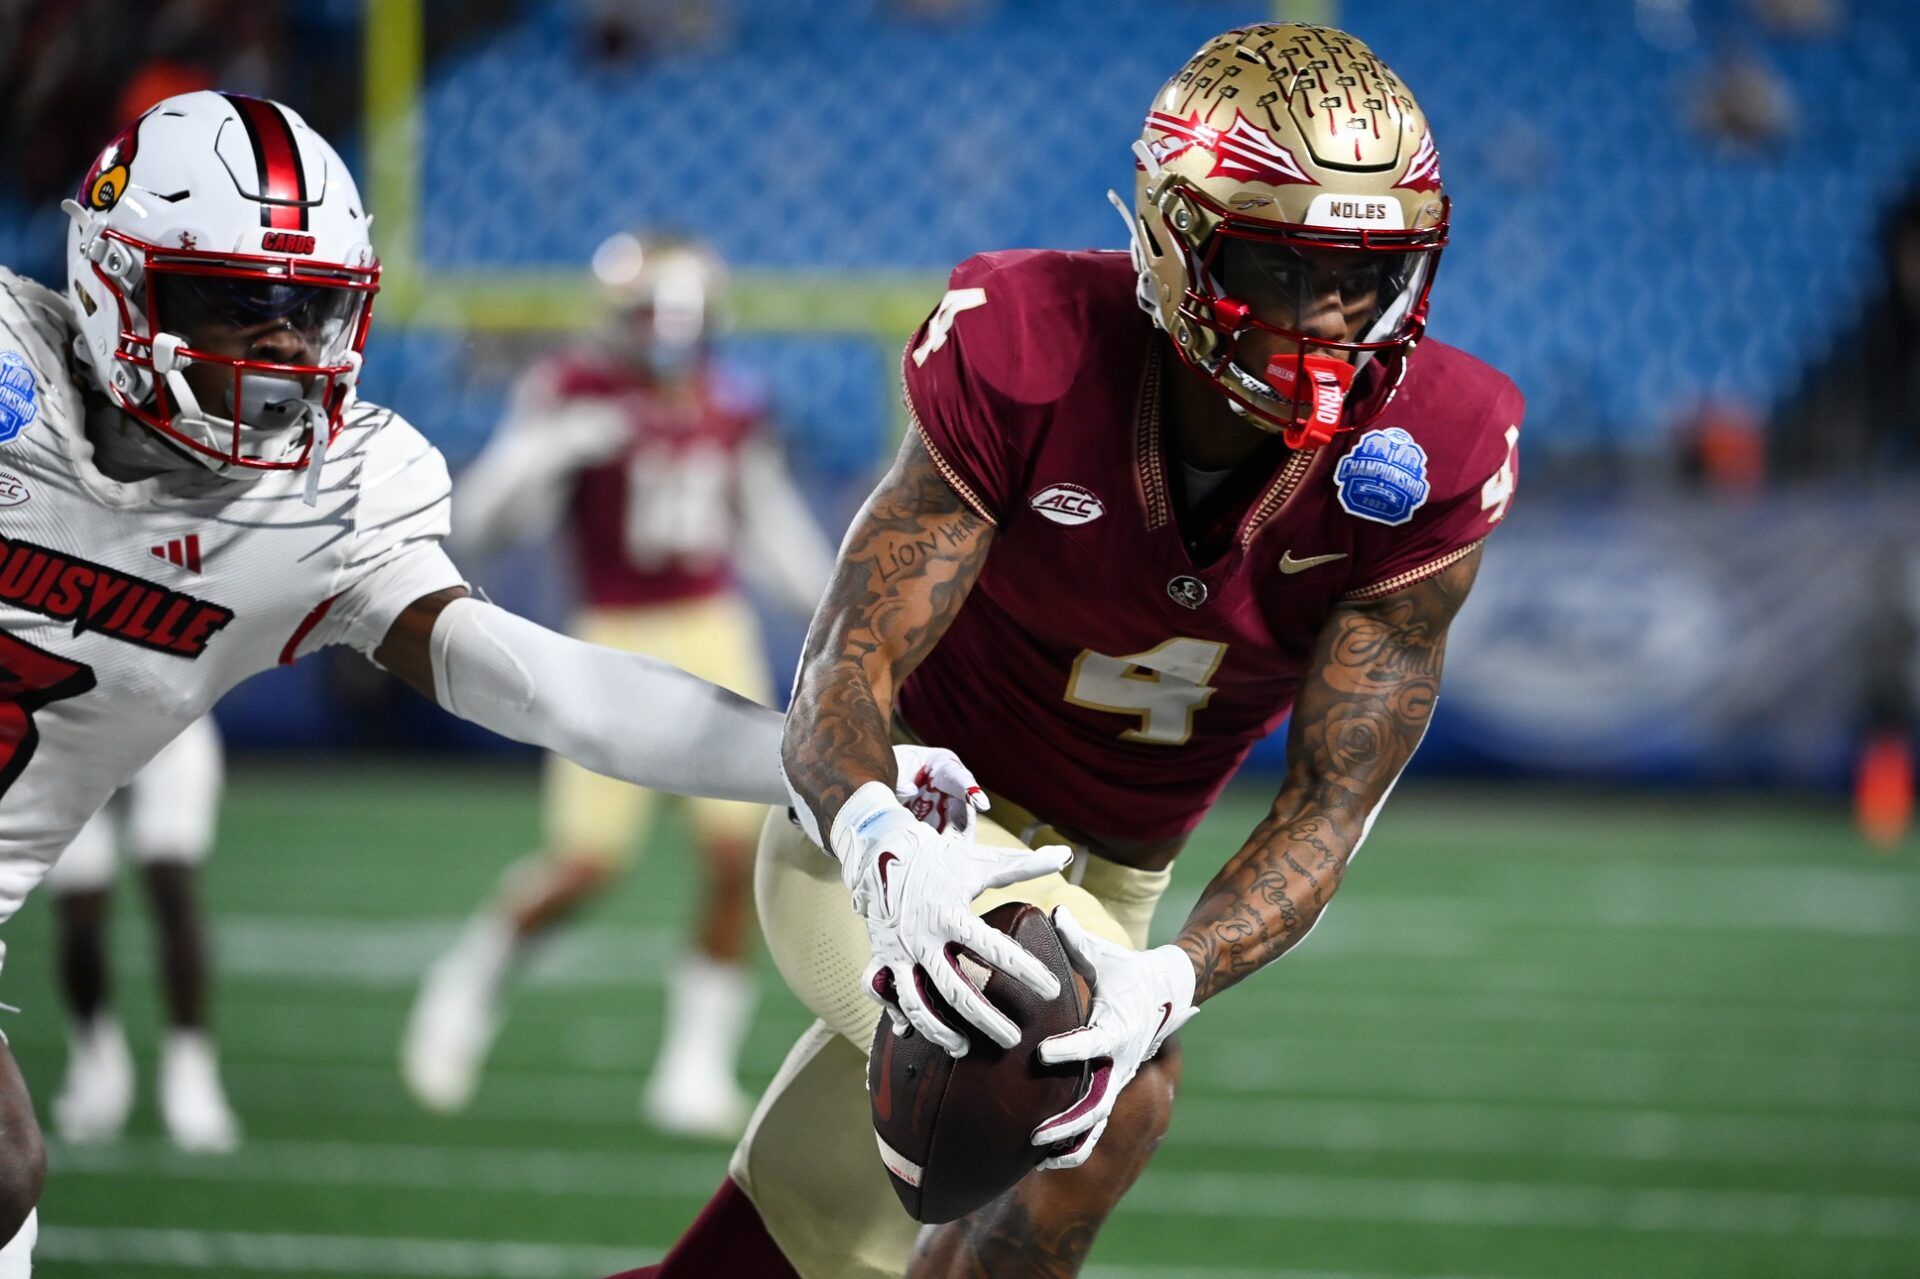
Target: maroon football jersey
657, 522
1096, 675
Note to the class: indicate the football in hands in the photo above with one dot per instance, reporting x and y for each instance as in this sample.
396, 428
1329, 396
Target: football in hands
956, 1133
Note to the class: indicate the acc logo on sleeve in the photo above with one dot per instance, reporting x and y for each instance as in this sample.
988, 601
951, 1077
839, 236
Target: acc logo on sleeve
1384, 478
1068, 504
19, 402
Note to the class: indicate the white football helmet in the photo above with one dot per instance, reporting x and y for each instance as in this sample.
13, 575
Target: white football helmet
222, 221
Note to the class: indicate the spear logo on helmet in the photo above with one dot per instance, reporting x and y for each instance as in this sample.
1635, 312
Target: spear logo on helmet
1241, 151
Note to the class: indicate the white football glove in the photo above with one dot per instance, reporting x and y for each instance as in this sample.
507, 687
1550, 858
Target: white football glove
915, 885
1139, 998
931, 784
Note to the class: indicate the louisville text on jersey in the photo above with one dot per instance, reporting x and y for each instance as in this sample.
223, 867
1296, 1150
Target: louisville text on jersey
94, 597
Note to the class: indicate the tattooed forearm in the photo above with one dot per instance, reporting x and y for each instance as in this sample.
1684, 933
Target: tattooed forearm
1009, 1237
1359, 714
912, 556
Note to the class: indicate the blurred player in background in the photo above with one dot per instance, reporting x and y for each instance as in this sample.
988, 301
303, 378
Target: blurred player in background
167, 823
667, 483
1115, 551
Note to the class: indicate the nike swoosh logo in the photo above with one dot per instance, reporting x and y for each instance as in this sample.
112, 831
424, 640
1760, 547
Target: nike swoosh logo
886, 859
1166, 1012
1288, 564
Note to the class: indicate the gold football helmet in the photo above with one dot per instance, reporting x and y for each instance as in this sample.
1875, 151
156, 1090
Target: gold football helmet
1288, 204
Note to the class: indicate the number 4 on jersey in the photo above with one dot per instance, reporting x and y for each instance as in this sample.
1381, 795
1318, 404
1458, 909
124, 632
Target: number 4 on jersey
1164, 686
956, 301
29, 679
1498, 491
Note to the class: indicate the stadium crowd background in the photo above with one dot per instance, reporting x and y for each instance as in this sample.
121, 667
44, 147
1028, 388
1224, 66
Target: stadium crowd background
1690, 229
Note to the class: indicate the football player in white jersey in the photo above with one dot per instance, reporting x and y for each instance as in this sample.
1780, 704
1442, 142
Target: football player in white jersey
166, 820
197, 382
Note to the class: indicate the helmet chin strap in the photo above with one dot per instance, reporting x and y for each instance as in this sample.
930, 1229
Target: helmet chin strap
1142, 273
316, 455
1325, 396
1142, 277
1248, 383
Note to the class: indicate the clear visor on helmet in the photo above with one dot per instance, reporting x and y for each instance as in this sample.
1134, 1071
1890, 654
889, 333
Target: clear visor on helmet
1335, 295
251, 317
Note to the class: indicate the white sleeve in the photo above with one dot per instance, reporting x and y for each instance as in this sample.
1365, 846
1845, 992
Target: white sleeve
788, 557
619, 714
400, 520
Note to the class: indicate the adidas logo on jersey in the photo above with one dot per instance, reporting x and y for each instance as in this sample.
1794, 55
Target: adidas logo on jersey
181, 552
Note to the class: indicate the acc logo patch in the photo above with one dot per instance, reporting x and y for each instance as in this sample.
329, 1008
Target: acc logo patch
19, 401
13, 489
1068, 504
1384, 478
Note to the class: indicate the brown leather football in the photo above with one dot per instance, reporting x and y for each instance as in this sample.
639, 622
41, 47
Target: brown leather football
955, 1134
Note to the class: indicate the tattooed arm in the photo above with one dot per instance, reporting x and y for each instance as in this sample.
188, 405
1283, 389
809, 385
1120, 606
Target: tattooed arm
1360, 712
906, 567
904, 571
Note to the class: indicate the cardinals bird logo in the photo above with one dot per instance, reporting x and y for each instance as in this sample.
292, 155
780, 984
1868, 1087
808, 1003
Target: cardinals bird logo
106, 181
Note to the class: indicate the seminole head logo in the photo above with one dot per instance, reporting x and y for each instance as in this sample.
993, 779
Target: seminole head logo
106, 181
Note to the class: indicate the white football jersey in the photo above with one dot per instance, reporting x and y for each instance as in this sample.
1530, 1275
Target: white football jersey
127, 609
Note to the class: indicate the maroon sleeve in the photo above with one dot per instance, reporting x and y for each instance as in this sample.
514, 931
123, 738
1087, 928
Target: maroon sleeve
954, 371
1473, 482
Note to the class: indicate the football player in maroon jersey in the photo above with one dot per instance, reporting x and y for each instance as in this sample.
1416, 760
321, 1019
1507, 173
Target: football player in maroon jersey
1115, 551
659, 468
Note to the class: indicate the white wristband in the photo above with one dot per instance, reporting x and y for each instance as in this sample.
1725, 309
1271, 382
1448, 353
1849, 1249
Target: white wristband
871, 803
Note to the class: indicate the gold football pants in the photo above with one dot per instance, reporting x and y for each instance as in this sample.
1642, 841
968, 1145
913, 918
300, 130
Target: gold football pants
715, 638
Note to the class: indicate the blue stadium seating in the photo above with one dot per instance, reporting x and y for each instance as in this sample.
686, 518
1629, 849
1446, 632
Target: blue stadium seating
1618, 264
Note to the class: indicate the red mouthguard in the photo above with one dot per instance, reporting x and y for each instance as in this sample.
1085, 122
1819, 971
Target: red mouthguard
1323, 398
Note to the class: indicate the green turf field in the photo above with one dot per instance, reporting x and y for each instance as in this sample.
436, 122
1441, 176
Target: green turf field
1534, 1037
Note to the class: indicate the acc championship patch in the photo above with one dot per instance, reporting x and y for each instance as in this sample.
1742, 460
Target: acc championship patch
1384, 478
19, 400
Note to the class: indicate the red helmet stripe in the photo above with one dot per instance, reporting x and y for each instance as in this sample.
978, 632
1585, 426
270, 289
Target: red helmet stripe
283, 182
